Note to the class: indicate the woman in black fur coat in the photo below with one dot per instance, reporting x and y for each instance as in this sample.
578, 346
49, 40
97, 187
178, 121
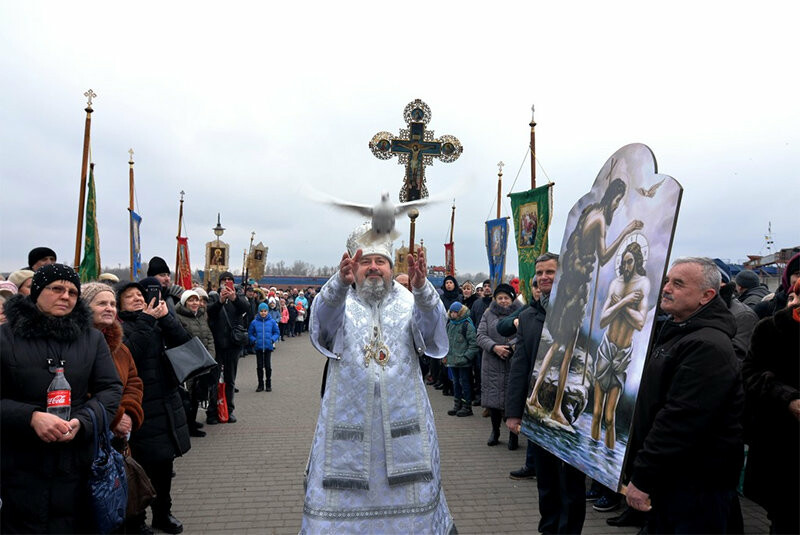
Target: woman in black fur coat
164, 435
45, 460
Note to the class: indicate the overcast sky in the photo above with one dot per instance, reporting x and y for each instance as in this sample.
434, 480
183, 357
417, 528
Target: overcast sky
239, 104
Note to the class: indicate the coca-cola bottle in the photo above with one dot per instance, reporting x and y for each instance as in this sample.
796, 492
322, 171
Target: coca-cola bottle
59, 395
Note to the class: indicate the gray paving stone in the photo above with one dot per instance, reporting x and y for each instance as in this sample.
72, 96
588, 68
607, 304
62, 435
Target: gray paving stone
247, 477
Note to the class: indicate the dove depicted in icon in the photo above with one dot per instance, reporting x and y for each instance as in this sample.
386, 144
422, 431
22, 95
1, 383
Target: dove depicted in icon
651, 191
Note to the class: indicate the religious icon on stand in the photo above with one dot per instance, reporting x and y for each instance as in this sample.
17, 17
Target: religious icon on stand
602, 310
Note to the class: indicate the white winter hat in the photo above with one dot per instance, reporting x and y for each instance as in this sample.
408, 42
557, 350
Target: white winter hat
187, 294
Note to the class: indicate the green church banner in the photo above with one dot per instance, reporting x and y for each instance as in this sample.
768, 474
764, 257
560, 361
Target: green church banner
531, 211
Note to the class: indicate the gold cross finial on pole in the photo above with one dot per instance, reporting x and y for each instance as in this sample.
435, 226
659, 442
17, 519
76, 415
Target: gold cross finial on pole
90, 95
130, 154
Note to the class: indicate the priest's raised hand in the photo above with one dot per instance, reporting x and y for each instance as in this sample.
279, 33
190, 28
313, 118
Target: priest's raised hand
348, 267
417, 270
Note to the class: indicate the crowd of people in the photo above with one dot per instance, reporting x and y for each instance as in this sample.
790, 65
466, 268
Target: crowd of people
722, 377
110, 338
722, 374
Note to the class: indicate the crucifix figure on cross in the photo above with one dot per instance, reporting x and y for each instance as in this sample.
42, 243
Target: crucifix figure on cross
415, 148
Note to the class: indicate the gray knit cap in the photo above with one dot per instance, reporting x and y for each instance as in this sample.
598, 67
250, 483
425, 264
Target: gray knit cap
747, 279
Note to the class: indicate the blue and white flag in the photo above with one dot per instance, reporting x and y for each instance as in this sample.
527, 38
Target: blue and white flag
496, 241
136, 252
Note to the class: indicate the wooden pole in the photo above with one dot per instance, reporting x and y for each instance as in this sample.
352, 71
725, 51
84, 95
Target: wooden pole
452, 220
180, 214
177, 238
130, 205
533, 150
413, 214
84, 164
499, 185
249, 257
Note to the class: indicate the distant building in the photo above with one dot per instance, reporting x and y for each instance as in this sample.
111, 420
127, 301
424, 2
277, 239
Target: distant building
770, 268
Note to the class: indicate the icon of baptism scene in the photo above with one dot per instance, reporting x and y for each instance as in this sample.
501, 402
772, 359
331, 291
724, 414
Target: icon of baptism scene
602, 312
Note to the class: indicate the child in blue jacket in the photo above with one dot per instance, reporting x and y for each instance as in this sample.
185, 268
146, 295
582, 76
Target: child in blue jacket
264, 332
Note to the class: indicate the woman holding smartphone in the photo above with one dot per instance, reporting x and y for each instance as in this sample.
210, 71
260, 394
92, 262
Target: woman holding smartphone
147, 329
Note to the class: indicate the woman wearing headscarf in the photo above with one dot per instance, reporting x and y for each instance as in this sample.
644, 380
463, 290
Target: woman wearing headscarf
449, 293
44, 460
496, 361
148, 329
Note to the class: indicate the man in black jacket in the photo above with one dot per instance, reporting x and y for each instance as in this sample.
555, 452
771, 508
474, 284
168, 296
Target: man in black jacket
223, 315
171, 293
476, 313
687, 433
562, 503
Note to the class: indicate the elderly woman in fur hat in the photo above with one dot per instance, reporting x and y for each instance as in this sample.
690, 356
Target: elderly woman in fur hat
102, 301
45, 460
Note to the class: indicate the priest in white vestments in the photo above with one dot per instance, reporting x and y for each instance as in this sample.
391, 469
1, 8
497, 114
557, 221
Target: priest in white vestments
374, 463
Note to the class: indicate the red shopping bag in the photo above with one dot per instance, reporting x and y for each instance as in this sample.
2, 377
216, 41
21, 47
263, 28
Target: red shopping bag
222, 402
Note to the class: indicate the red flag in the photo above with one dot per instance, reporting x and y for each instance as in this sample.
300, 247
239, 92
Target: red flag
449, 259
183, 273
222, 401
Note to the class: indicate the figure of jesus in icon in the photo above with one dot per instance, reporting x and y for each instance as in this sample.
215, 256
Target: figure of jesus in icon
217, 258
585, 246
624, 312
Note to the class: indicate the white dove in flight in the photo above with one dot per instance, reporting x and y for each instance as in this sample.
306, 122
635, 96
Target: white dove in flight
382, 214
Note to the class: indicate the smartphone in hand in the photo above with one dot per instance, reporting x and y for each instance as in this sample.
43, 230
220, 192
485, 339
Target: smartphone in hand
152, 291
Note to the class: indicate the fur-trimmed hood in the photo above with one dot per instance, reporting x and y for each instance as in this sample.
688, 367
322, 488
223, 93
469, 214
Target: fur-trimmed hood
27, 321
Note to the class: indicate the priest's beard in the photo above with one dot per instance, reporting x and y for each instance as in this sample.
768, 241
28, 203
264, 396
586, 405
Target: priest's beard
373, 291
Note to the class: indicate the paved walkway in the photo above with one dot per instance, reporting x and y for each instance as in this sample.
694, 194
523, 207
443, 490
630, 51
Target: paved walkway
247, 477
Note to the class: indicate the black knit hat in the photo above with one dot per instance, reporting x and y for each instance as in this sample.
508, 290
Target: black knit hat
505, 289
226, 275
157, 266
38, 253
51, 273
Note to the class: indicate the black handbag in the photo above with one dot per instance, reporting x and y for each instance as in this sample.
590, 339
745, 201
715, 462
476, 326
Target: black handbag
190, 359
238, 333
108, 483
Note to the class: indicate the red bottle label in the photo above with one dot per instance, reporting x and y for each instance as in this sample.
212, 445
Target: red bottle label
59, 398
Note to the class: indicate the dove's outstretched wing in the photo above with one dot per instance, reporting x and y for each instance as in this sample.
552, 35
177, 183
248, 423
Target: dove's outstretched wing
320, 197
404, 207
362, 209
